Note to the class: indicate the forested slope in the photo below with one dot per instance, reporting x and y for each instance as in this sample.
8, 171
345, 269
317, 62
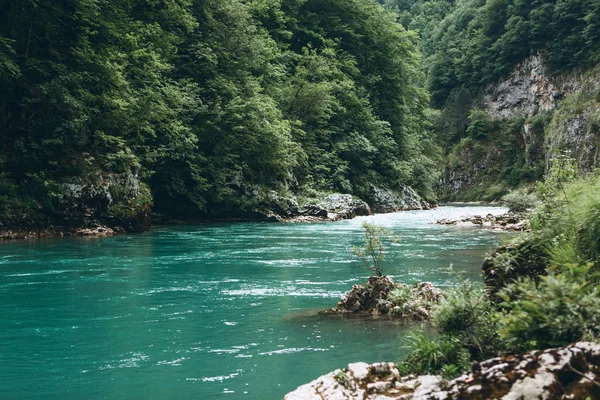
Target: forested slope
201, 109
514, 83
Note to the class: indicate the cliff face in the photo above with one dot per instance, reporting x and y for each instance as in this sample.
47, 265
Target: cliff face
535, 116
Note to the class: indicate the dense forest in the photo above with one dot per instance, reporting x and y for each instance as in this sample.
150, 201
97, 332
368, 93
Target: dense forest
469, 46
203, 109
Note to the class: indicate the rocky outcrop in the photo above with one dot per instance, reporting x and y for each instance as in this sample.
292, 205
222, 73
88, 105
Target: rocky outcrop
95, 204
530, 91
334, 207
572, 372
367, 298
365, 382
507, 222
381, 296
384, 200
534, 117
527, 91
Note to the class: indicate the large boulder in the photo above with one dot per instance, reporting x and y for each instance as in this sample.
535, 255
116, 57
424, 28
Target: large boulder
383, 200
571, 372
367, 298
333, 207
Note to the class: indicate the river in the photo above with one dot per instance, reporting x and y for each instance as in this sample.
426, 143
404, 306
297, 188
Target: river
215, 311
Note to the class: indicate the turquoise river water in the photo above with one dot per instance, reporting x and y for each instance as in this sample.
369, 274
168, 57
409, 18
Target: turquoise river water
216, 311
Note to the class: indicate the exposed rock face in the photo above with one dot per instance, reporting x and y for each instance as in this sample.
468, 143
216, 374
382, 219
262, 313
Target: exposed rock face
527, 91
572, 372
469, 171
577, 135
478, 169
384, 200
506, 222
382, 296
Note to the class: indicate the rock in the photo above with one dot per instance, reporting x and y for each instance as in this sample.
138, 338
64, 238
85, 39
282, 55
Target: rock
527, 91
408, 302
333, 207
384, 200
378, 381
97, 231
345, 206
367, 298
508, 222
571, 372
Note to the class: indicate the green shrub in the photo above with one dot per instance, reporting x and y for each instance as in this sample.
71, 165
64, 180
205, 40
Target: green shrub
468, 315
519, 201
563, 308
430, 355
372, 253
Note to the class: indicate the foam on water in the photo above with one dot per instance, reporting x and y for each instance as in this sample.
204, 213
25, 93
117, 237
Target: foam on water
208, 311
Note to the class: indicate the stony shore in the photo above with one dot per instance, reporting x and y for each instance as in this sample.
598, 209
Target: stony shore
18, 233
571, 372
506, 222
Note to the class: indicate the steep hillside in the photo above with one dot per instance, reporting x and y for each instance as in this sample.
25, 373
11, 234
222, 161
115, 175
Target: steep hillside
514, 83
204, 109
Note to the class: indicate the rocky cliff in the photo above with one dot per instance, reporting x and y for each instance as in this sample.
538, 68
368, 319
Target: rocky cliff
533, 117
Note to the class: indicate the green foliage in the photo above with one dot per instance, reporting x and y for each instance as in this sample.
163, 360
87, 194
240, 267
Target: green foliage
520, 201
468, 316
563, 308
373, 251
429, 355
209, 101
471, 43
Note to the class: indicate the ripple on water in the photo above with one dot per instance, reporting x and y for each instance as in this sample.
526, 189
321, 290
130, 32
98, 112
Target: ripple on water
151, 315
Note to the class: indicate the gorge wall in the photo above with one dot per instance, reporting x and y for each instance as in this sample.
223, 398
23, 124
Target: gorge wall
530, 118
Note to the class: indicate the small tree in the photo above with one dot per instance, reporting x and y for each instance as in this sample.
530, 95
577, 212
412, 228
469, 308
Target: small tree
373, 250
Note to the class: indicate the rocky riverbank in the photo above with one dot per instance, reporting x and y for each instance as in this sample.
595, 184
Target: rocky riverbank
95, 231
507, 222
571, 372
331, 208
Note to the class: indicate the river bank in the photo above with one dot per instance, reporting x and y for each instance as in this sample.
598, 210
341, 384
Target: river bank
331, 208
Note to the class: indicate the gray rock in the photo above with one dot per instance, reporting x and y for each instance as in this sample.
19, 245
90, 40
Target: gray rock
383, 200
571, 372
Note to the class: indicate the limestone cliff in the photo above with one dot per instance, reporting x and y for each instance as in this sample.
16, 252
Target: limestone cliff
533, 116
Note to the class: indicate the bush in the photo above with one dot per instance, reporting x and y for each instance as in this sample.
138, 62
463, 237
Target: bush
468, 315
430, 355
563, 308
519, 201
374, 249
